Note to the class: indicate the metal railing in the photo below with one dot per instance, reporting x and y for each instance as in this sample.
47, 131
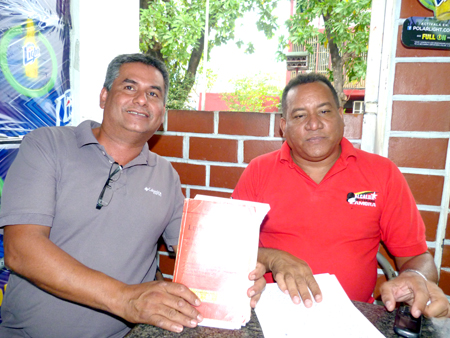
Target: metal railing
320, 62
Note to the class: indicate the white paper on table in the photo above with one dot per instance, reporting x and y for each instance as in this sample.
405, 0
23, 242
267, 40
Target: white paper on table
334, 316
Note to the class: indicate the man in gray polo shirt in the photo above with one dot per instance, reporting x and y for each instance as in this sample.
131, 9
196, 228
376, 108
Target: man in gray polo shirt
82, 210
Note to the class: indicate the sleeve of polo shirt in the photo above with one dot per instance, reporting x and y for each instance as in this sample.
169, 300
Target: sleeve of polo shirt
246, 187
28, 195
172, 231
402, 227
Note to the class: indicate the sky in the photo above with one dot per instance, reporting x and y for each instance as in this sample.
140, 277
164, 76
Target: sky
228, 61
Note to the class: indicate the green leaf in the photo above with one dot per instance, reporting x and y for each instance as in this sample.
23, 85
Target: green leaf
346, 27
173, 30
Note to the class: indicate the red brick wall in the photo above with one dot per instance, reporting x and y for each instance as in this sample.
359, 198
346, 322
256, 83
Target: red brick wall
419, 130
210, 150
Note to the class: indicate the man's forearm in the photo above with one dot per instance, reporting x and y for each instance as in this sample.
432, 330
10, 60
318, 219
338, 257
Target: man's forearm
29, 253
423, 263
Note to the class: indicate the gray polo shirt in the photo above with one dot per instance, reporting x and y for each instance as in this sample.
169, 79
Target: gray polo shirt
55, 181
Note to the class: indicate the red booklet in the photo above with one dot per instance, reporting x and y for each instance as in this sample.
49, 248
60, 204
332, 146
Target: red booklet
217, 249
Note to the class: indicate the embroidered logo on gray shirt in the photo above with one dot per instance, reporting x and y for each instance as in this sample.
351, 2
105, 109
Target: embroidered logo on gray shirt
155, 192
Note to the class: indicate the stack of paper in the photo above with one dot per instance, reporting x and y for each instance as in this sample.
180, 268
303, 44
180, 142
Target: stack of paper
217, 249
334, 316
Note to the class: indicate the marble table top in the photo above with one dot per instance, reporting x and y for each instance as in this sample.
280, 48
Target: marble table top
382, 319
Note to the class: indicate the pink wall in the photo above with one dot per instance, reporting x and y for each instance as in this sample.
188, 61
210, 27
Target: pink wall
214, 102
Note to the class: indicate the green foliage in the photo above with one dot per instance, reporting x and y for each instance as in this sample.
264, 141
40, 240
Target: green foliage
211, 78
179, 93
346, 25
253, 94
173, 32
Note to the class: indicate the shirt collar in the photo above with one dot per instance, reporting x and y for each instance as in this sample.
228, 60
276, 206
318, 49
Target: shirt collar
83, 133
84, 136
145, 157
347, 150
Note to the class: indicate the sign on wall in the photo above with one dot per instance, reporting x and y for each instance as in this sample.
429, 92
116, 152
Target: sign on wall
34, 77
423, 32
429, 32
34, 62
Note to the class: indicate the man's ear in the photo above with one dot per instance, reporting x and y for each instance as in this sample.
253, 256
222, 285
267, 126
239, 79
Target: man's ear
103, 96
341, 112
282, 125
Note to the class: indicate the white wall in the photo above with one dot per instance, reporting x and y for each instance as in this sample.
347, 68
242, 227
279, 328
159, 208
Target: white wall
101, 30
379, 76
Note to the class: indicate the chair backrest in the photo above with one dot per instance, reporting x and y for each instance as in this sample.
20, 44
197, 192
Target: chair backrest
388, 270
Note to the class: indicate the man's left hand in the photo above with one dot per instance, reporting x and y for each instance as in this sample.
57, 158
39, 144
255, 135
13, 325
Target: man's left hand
423, 296
255, 291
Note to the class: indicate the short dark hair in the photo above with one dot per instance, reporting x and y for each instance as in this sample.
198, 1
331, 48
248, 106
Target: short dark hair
114, 66
304, 79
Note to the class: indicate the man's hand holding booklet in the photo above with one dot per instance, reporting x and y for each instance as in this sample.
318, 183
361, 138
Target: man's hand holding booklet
217, 250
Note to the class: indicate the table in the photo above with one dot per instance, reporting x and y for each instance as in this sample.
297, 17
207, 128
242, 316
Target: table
378, 316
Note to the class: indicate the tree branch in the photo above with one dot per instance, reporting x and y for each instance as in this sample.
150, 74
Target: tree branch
337, 62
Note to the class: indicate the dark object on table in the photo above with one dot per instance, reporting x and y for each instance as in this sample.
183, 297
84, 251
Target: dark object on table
405, 324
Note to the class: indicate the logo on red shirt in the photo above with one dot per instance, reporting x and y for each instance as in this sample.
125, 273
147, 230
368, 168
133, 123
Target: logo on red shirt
365, 198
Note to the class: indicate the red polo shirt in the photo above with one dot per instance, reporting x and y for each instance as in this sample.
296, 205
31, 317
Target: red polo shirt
336, 226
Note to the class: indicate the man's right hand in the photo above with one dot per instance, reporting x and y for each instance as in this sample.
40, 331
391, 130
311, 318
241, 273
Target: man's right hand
292, 275
167, 305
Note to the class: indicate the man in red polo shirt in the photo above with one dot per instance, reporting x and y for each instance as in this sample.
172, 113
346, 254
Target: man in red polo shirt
332, 205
